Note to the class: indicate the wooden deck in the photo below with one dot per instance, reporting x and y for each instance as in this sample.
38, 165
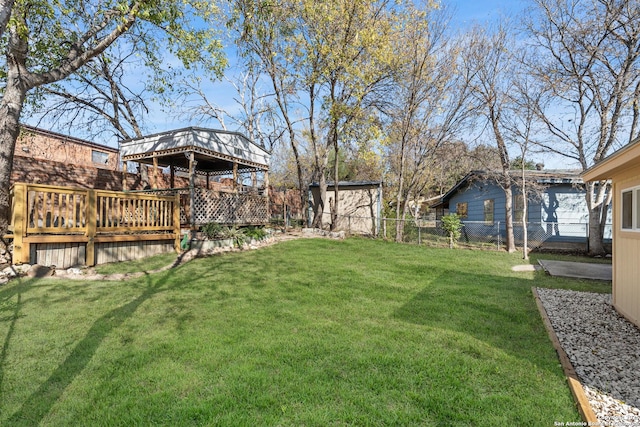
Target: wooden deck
67, 226
43, 214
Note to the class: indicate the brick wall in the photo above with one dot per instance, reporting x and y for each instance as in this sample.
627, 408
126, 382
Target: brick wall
39, 144
48, 172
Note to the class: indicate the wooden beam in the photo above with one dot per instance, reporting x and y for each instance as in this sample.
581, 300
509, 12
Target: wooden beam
134, 237
235, 176
176, 222
57, 238
124, 176
21, 250
154, 185
266, 193
92, 224
192, 186
78, 238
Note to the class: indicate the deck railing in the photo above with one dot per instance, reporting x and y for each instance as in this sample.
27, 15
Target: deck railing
43, 213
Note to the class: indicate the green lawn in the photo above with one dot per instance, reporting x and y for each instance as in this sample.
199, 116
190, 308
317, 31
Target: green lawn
309, 332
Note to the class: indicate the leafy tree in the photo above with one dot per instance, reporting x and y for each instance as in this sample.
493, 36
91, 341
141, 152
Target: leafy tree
330, 59
452, 225
46, 42
517, 163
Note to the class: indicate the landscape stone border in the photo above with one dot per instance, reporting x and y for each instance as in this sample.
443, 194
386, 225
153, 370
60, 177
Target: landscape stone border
582, 402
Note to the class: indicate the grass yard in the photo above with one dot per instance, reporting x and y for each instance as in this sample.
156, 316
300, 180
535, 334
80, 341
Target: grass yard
309, 332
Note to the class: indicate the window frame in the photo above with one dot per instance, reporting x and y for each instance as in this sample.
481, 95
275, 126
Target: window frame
634, 201
518, 199
102, 155
492, 211
466, 209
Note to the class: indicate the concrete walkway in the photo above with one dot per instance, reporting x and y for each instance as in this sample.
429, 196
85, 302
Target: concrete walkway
578, 270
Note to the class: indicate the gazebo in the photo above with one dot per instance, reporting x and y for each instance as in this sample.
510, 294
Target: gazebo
202, 155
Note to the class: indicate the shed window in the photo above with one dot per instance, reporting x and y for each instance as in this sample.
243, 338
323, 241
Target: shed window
630, 209
99, 157
461, 209
488, 211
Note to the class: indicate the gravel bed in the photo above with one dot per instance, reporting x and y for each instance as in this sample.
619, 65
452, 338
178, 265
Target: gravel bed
604, 349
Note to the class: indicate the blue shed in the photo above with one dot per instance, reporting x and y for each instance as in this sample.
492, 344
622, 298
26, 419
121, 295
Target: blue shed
557, 215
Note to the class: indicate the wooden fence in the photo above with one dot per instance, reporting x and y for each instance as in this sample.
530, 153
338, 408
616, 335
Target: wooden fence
61, 215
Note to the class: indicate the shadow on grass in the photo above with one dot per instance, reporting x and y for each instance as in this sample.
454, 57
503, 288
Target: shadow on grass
13, 318
36, 406
499, 311
12, 315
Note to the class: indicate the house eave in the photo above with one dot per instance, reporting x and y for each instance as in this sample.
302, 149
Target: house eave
617, 162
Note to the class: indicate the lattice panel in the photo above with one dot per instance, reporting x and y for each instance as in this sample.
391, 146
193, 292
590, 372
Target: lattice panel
225, 208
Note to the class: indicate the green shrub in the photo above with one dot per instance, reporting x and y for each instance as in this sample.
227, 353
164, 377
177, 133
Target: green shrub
452, 225
237, 234
254, 232
213, 230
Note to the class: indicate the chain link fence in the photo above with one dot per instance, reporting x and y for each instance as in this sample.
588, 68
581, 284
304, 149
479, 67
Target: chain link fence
478, 234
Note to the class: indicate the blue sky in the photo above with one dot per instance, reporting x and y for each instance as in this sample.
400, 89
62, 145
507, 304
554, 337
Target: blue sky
480, 11
465, 14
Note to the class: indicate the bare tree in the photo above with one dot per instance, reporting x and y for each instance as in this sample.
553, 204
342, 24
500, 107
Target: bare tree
521, 127
102, 99
489, 53
587, 66
260, 43
256, 116
431, 93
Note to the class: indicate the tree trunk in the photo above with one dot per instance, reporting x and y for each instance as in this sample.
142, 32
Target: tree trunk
400, 200
318, 206
508, 207
596, 197
525, 232
336, 177
11, 105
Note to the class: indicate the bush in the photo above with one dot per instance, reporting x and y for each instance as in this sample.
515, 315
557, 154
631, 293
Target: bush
237, 234
256, 233
213, 230
452, 225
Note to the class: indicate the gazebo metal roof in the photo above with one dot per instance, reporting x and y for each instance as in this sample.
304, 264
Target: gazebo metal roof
215, 151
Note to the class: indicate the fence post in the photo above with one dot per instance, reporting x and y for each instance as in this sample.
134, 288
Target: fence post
384, 228
92, 223
419, 233
176, 221
499, 236
21, 250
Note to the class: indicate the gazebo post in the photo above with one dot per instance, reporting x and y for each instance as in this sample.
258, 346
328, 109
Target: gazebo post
154, 185
172, 176
192, 195
266, 192
235, 176
124, 175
